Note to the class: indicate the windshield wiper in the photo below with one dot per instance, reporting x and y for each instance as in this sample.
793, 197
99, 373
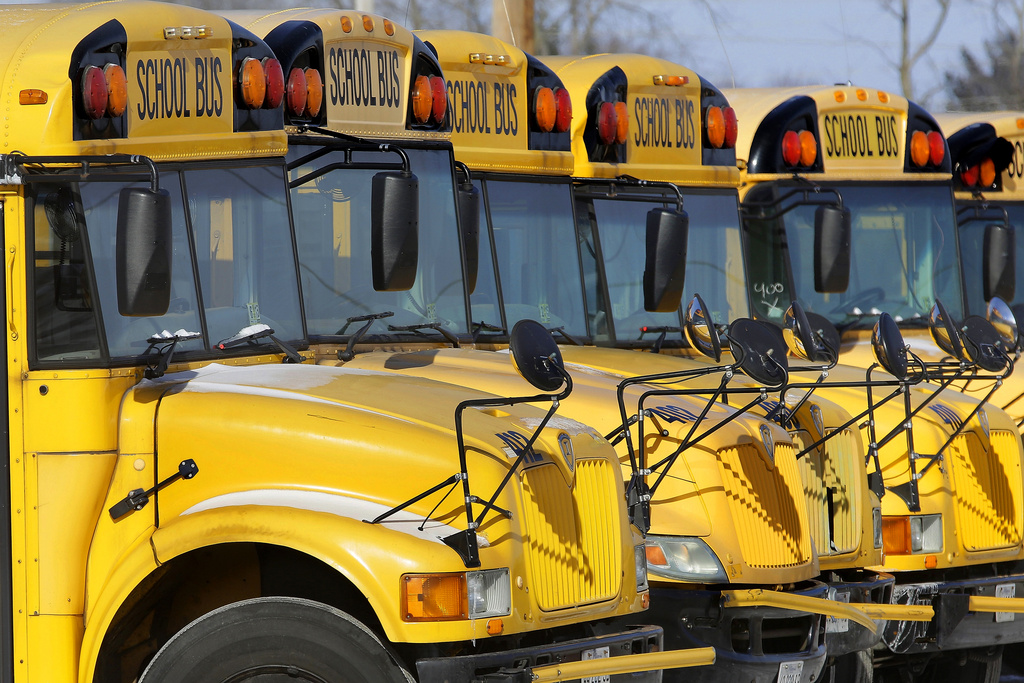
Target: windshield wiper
347, 353
481, 326
248, 335
165, 343
437, 327
569, 338
662, 332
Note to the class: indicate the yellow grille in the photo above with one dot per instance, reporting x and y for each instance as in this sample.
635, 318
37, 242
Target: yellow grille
833, 471
575, 546
767, 506
987, 490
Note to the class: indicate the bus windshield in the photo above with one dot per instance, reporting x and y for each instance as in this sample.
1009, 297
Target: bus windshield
904, 256
531, 225
972, 242
332, 225
714, 262
234, 230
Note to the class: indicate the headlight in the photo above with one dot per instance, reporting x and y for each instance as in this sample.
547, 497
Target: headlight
876, 526
461, 595
688, 559
640, 556
912, 534
490, 593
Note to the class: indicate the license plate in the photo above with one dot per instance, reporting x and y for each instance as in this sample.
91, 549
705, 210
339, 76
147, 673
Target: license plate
1005, 590
790, 672
598, 653
833, 625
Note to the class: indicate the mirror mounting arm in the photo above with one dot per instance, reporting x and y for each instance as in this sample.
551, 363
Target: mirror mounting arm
759, 208
13, 167
978, 213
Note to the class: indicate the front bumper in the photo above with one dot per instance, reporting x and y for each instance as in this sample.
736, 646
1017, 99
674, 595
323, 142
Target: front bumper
753, 643
857, 587
628, 655
966, 615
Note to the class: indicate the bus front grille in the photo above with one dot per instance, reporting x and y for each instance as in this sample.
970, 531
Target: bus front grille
574, 538
987, 490
830, 476
767, 506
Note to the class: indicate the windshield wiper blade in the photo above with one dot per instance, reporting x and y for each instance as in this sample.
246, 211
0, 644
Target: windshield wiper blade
347, 353
248, 335
481, 326
165, 343
662, 331
437, 327
569, 338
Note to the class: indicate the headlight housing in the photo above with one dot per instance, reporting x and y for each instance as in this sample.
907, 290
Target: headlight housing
912, 534
876, 526
640, 556
684, 558
461, 595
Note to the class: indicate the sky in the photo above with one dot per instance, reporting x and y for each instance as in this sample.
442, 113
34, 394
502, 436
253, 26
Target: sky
775, 42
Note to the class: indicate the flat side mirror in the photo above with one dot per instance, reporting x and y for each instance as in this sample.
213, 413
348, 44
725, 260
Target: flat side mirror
981, 341
832, 231
469, 218
665, 268
810, 336
143, 252
700, 330
1003, 319
999, 262
394, 230
890, 350
536, 356
760, 351
945, 333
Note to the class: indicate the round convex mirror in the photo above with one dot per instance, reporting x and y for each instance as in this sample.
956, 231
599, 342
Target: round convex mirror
890, 350
1005, 322
700, 329
810, 336
536, 356
945, 332
760, 351
981, 341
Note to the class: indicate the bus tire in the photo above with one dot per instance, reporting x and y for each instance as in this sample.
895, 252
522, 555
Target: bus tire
856, 667
977, 665
300, 639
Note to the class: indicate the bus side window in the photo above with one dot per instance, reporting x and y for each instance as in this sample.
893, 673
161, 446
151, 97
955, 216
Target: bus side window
65, 323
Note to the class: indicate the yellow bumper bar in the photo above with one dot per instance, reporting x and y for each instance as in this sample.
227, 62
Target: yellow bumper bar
984, 603
626, 664
862, 613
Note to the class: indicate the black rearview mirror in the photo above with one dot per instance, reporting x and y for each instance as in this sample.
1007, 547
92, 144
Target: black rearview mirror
760, 351
143, 252
665, 268
394, 230
536, 356
832, 230
890, 350
999, 262
469, 218
700, 329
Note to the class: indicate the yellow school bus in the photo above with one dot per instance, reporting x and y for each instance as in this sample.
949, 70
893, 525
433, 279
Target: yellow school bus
211, 505
986, 151
951, 509
679, 138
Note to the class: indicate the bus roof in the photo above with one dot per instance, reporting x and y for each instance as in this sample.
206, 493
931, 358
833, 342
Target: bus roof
861, 133
665, 104
491, 86
177, 62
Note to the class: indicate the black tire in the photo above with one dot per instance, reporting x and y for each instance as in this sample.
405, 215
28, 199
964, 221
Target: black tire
273, 639
978, 665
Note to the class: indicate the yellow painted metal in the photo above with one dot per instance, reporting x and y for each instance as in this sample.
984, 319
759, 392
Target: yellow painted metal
673, 659
985, 603
759, 597
896, 612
